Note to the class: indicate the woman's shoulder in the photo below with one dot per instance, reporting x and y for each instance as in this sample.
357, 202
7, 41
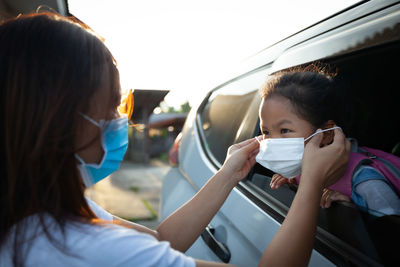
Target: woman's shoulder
99, 211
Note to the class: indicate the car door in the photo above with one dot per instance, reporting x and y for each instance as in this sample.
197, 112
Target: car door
241, 230
252, 214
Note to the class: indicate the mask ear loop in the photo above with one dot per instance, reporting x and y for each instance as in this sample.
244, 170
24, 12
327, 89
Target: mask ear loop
90, 119
321, 131
103, 145
258, 140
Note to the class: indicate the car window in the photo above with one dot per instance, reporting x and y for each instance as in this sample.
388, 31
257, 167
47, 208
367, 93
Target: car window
346, 235
229, 114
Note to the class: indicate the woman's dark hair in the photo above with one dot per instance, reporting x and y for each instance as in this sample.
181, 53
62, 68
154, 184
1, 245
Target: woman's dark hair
50, 69
315, 93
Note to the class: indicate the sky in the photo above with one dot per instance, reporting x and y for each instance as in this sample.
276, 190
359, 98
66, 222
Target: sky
190, 47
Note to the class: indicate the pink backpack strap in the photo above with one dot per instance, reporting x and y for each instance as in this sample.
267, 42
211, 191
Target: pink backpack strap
387, 164
355, 161
344, 184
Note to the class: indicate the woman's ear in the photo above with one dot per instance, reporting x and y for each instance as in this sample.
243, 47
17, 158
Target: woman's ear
328, 135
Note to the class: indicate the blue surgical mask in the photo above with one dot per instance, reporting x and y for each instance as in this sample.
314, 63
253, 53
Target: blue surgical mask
114, 140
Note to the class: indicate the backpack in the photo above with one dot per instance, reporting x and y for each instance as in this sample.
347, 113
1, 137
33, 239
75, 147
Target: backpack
386, 163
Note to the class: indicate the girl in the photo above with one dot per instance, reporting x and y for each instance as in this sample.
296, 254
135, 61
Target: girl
295, 104
61, 132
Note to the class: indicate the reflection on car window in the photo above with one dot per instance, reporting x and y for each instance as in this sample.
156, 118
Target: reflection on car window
225, 118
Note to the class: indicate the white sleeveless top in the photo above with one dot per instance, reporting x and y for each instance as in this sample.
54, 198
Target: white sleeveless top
92, 245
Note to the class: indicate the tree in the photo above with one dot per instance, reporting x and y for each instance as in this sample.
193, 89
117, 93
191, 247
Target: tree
165, 108
185, 107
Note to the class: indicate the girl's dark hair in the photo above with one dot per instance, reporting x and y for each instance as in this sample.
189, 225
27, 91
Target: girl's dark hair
315, 92
50, 69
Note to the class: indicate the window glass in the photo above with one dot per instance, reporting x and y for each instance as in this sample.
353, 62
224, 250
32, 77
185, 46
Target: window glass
230, 114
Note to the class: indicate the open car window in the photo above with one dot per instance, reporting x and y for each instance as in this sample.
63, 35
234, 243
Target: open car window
344, 228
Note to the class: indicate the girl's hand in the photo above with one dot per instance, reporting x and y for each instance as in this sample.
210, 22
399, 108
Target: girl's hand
329, 196
240, 159
277, 180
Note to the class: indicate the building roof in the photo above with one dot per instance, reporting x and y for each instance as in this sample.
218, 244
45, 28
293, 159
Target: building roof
12, 8
145, 102
166, 119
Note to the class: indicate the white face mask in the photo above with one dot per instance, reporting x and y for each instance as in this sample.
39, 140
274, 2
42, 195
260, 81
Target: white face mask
284, 155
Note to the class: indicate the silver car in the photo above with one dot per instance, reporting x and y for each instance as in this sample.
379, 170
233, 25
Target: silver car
363, 42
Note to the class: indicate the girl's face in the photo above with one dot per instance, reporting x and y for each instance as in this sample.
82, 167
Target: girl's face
278, 120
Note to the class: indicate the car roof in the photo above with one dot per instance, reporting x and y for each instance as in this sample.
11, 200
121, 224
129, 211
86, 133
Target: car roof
359, 17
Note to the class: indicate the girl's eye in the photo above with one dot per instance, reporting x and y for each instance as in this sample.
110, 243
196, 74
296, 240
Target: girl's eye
284, 131
265, 133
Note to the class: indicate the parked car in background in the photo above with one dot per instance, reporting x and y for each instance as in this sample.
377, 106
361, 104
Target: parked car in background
363, 42
173, 151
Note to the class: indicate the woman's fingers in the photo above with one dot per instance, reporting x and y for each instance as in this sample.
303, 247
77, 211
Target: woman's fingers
240, 158
247, 142
341, 150
252, 161
254, 153
325, 164
316, 140
339, 138
248, 145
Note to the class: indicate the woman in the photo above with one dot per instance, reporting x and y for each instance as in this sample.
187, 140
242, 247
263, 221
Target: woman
59, 96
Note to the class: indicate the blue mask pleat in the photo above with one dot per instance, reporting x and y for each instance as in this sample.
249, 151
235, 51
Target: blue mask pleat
115, 144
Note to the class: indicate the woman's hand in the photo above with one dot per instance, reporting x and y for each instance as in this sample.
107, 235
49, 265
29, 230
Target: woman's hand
329, 196
240, 159
325, 165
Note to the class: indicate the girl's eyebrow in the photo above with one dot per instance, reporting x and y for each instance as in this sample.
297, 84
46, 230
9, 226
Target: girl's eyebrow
278, 124
283, 122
